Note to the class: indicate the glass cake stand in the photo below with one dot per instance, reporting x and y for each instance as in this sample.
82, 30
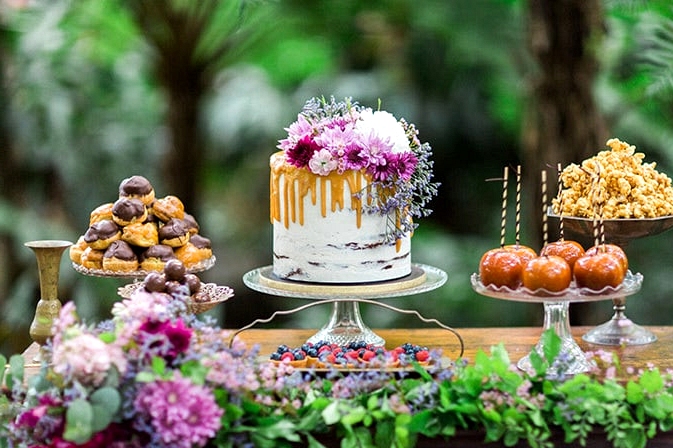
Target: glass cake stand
556, 317
345, 323
619, 330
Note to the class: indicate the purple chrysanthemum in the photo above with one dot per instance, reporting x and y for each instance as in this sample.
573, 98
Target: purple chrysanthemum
375, 148
182, 414
383, 170
404, 164
337, 140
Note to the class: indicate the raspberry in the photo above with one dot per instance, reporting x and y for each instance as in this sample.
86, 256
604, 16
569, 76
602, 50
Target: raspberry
368, 355
422, 355
287, 355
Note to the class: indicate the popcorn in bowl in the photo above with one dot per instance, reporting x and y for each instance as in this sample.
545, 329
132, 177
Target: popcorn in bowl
627, 187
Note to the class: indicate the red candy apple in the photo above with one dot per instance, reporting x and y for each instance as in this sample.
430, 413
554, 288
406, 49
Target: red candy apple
501, 267
549, 272
599, 270
613, 249
569, 250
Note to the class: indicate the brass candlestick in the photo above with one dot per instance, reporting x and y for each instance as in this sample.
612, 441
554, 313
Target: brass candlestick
48, 254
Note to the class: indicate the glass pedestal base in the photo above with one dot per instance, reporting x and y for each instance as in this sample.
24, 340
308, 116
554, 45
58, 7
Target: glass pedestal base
345, 325
620, 330
571, 359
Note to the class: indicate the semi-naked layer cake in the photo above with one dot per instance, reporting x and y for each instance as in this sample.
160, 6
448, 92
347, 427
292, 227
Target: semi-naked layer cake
322, 234
344, 193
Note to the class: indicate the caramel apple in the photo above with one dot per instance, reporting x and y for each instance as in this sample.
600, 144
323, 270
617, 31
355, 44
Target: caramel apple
549, 272
501, 267
524, 252
598, 270
613, 249
569, 250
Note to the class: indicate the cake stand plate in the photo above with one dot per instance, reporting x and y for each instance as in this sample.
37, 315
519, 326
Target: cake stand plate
345, 323
556, 316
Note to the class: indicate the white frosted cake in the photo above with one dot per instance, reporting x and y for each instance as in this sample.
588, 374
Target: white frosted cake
341, 195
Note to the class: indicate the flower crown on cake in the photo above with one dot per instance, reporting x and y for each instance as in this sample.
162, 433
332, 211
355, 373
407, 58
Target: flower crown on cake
339, 136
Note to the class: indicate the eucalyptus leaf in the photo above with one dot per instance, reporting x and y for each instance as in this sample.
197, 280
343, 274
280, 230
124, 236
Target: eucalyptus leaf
78, 422
105, 404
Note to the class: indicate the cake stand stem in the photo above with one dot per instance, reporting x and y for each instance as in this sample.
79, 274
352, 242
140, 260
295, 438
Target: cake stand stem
345, 325
571, 359
620, 330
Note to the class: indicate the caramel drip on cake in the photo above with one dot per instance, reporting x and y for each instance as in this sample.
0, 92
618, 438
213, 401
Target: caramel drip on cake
306, 182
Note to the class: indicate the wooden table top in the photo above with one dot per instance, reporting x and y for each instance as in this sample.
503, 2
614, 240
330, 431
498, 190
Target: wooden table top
517, 340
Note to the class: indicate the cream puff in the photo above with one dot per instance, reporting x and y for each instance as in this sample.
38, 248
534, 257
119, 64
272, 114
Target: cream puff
155, 258
142, 234
101, 234
126, 211
198, 249
119, 257
100, 213
191, 223
168, 207
137, 187
77, 249
92, 258
174, 233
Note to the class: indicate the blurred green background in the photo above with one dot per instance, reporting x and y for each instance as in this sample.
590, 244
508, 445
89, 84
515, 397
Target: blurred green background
194, 95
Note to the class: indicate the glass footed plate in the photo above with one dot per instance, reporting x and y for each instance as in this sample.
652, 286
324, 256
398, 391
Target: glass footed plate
140, 273
631, 284
209, 295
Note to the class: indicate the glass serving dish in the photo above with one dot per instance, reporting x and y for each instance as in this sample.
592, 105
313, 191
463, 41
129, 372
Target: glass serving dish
556, 313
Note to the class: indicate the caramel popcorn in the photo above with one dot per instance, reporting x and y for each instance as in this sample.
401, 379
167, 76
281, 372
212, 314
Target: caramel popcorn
627, 187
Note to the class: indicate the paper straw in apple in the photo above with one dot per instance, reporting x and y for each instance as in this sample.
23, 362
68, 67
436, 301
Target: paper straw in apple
559, 170
545, 228
503, 221
517, 221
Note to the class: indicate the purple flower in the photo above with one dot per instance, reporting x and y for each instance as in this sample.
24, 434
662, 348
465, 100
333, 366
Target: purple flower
404, 164
297, 131
375, 148
302, 152
166, 338
181, 413
337, 140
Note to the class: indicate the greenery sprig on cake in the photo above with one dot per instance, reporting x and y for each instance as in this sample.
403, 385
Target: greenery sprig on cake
338, 136
156, 376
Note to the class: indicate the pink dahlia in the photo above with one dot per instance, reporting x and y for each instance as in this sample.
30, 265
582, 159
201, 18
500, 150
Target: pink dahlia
182, 414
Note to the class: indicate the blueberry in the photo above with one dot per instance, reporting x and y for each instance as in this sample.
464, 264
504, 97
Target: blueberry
275, 356
282, 349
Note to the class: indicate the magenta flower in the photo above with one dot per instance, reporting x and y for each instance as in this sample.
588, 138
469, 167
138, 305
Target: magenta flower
404, 164
166, 338
181, 414
301, 153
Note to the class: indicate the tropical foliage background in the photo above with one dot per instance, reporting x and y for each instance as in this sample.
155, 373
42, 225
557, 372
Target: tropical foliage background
195, 95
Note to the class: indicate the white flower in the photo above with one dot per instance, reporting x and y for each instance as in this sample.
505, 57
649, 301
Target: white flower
386, 126
322, 162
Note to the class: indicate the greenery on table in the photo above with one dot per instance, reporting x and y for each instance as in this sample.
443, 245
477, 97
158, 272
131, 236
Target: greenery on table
275, 406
